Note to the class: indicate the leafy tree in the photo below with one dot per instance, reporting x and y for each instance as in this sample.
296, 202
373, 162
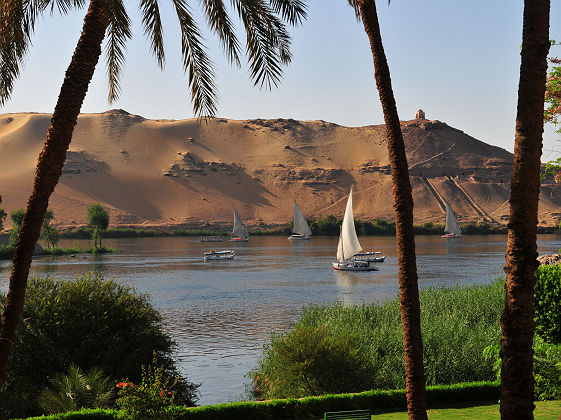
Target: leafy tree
48, 233
76, 390
517, 321
91, 323
98, 221
2, 216
17, 217
267, 47
365, 10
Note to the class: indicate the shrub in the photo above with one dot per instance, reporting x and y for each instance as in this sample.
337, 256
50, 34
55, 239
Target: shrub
547, 306
76, 390
91, 323
152, 398
457, 323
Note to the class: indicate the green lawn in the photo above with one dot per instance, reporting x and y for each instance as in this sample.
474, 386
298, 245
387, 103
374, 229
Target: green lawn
545, 410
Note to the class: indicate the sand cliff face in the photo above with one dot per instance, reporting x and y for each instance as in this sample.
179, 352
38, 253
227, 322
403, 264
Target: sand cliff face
152, 172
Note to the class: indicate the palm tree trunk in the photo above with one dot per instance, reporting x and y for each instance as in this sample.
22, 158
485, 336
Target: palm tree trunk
49, 167
403, 206
517, 321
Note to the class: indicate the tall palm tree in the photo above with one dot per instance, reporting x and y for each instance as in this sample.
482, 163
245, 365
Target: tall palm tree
267, 46
517, 321
403, 206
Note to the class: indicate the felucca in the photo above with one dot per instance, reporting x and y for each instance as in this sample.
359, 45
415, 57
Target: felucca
349, 245
452, 228
300, 230
239, 232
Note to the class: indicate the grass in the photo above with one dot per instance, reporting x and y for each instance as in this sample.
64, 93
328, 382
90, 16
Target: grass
545, 410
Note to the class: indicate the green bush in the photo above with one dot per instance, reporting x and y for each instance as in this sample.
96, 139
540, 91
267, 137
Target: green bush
457, 323
547, 306
6, 252
89, 322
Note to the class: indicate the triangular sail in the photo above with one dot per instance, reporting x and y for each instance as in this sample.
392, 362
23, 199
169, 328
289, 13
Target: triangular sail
452, 225
348, 240
300, 225
239, 229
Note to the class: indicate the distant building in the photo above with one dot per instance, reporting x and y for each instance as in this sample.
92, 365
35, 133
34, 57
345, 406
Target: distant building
420, 115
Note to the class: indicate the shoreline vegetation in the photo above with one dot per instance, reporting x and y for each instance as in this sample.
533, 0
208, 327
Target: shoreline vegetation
329, 226
7, 252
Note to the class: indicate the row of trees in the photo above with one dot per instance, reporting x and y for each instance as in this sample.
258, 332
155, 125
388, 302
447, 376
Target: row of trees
268, 44
98, 221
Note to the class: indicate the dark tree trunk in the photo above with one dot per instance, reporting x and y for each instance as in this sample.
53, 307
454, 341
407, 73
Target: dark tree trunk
49, 167
517, 321
403, 205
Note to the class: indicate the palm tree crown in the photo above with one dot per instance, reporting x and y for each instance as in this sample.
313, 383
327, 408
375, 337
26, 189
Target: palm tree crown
264, 21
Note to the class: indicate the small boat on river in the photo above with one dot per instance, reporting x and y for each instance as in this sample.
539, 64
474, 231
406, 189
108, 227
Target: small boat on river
239, 232
452, 228
301, 230
349, 245
370, 256
211, 238
214, 255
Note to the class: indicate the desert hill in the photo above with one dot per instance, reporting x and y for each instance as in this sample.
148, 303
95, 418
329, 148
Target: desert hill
190, 172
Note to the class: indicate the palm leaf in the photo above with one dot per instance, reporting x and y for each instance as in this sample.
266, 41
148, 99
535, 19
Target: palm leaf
293, 11
152, 23
196, 63
221, 24
118, 33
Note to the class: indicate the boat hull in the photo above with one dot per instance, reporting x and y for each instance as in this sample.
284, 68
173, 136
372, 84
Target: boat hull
238, 240
451, 235
297, 237
370, 257
353, 266
211, 238
219, 255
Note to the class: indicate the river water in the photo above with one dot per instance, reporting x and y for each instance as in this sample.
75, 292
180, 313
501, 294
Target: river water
221, 313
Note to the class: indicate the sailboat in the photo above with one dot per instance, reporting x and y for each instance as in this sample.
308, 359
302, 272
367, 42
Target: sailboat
349, 245
452, 228
239, 232
300, 230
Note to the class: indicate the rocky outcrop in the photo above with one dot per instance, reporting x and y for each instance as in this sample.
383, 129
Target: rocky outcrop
78, 162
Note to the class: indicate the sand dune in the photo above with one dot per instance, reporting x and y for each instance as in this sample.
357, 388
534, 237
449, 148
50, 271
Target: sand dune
190, 173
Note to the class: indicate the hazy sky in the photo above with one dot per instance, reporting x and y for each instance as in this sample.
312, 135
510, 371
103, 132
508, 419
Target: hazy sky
458, 61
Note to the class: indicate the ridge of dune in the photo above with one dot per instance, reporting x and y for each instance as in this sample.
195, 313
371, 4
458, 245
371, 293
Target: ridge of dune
191, 173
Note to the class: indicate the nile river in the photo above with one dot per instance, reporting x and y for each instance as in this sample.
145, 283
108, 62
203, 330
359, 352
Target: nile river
220, 313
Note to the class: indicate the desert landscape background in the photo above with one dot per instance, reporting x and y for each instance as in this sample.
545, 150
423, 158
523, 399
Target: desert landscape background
192, 173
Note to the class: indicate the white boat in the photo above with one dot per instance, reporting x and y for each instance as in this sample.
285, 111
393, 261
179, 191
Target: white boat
211, 238
219, 255
239, 232
300, 231
452, 228
349, 245
370, 256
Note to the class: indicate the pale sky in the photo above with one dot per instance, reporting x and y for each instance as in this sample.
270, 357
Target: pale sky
458, 61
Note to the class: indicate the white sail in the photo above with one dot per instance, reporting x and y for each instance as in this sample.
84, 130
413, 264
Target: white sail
300, 225
452, 225
239, 229
348, 241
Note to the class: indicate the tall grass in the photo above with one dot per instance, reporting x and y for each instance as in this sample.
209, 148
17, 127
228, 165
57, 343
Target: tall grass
457, 323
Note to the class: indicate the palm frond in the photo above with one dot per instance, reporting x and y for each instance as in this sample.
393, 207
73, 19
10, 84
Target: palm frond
152, 23
356, 8
267, 41
63, 6
221, 24
118, 33
196, 63
293, 11
17, 23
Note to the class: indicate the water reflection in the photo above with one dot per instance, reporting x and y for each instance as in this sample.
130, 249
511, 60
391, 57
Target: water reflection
221, 313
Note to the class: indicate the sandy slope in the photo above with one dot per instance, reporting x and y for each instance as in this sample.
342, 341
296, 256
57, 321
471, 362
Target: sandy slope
163, 172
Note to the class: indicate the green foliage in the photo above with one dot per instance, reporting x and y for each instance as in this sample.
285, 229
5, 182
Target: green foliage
478, 228
2, 216
76, 390
89, 322
48, 233
6, 252
547, 304
98, 221
458, 323
428, 228
17, 218
152, 398
313, 362
547, 368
